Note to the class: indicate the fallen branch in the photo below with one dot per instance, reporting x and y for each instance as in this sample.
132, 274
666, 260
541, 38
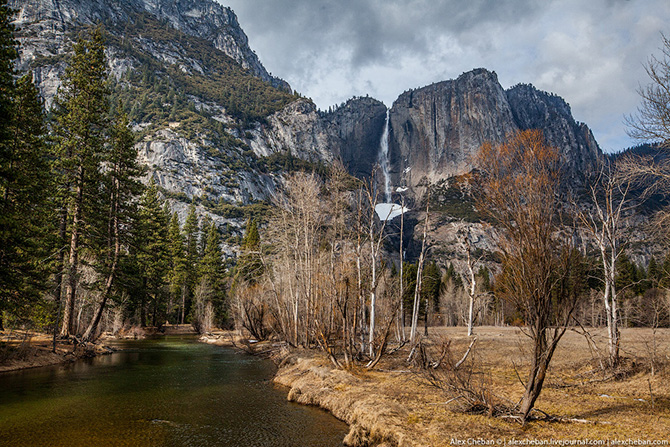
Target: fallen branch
465, 356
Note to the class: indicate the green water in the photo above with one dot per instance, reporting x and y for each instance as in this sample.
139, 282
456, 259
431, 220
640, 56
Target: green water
167, 392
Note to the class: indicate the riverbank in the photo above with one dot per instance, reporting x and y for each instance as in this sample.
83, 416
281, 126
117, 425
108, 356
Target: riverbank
397, 406
26, 349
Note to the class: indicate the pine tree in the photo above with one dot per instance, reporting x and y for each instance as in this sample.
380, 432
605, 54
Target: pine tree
192, 258
152, 252
249, 267
24, 194
654, 273
430, 289
177, 263
211, 270
211, 265
121, 185
8, 54
664, 283
81, 109
627, 275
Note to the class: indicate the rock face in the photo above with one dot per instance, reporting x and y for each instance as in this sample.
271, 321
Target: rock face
350, 133
437, 130
187, 160
357, 128
46, 22
216, 156
534, 109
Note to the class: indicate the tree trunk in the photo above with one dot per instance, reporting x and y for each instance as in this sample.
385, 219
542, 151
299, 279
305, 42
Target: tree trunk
183, 302
92, 328
373, 296
143, 303
58, 288
401, 318
73, 261
419, 278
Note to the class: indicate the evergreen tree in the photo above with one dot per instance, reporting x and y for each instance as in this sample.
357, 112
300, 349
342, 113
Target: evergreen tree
249, 267
152, 252
430, 284
654, 273
81, 109
8, 54
177, 264
212, 272
627, 275
120, 186
192, 259
24, 200
202, 233
211, 265
409, 283
665, 273
430, 290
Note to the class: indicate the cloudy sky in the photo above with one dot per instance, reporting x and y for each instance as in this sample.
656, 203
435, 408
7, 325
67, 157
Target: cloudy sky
592, 53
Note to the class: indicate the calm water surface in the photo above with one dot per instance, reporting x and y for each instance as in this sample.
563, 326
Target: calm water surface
166, 392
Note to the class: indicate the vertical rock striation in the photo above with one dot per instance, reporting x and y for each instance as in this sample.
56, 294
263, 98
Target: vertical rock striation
437, 130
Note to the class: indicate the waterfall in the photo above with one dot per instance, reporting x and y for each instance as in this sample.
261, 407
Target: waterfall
384, 158
387, 211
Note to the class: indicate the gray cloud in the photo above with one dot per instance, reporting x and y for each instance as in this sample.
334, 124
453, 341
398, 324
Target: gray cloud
591, 53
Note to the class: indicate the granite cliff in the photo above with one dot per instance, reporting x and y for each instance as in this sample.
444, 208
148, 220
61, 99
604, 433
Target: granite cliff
216, 127
437, 130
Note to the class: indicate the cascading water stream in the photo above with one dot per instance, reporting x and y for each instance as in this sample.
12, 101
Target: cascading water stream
384, 158
387, 210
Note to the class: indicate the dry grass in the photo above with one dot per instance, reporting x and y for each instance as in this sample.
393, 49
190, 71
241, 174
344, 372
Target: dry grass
397, 406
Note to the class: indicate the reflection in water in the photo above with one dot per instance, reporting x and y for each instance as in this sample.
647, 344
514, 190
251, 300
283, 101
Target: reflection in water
167, 392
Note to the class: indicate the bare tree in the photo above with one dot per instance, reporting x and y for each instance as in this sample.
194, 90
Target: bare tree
604, 224
203, 318
519, 186
652, 121
651, 124
401, 289
419, 277
470, 278
295, 232
376, 237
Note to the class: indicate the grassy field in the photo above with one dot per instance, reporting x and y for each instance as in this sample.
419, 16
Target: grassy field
396, 405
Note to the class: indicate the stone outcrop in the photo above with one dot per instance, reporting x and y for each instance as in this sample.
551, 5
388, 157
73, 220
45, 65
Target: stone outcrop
534, 109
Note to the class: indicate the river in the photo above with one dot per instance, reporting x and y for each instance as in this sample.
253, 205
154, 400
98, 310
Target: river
165, 392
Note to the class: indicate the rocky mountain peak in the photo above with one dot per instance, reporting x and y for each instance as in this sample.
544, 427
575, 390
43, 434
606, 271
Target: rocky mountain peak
438, 129
205, 19
535, 109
